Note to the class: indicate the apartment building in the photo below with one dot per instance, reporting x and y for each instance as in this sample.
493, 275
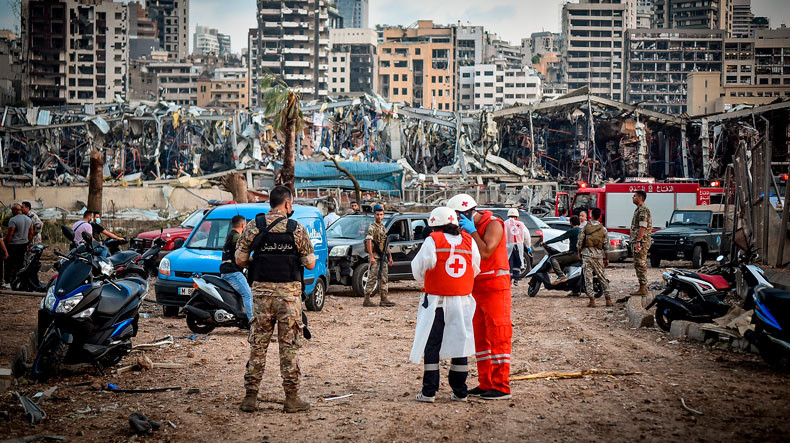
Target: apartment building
205, 41
286, 46
644, 14
10, 68
707, 94
539, 43
694, 14
417, 65
498, 50
495, 86
659, 61
172, 26
170, 81
224, 44
226, 88
353, 62
75, 51
143, 38
593, 55
354, 12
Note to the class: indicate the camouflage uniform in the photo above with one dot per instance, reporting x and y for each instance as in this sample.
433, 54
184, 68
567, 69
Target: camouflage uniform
592, 262
275, 304
378, 234
641, 219
37, 226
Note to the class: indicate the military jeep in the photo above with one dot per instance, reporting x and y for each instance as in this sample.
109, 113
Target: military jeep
692, 234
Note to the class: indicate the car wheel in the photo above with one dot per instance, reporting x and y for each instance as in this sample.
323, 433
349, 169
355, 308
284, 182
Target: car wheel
315, 301
170, 311
697, 257
655, 261
360, 279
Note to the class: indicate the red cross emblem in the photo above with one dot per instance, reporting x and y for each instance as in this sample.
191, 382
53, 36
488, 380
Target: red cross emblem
455, 266
451, 218
465, 204
433, 219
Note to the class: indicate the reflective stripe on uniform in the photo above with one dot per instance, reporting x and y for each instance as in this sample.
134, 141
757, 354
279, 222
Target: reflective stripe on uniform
499, 362
431, 367
459, 368
460, 251
496, 356
483, 352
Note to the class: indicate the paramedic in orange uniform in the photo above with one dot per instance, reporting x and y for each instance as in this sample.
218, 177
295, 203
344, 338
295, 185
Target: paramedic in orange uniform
492, 325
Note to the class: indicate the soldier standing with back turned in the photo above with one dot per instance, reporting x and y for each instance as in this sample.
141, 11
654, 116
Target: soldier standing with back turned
380, 260
641, 226
280, 249
594, 245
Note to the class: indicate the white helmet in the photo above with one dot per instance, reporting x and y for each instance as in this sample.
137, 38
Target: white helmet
462, 203
442, 216
512, 212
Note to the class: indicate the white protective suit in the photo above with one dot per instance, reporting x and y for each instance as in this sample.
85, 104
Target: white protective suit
459, 338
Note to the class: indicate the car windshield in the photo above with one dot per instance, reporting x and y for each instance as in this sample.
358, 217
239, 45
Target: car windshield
690, 218
350, 226
210, 234
193, 219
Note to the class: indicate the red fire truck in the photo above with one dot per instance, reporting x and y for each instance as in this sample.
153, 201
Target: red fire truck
617, 208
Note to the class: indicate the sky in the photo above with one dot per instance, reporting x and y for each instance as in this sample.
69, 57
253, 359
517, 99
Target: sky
511, 19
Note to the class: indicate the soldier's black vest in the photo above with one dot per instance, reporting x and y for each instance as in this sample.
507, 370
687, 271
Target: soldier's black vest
275, 256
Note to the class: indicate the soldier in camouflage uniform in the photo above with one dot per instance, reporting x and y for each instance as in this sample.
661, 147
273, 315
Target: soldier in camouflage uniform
275, 275
375, 240
594, 245
641, 226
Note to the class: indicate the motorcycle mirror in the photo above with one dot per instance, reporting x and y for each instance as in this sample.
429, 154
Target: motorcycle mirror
88, 239
720, 258
67, 232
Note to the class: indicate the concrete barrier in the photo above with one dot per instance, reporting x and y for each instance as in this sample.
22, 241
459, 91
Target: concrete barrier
638, 317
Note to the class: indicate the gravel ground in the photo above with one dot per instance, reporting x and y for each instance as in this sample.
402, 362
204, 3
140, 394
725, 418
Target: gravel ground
364, 352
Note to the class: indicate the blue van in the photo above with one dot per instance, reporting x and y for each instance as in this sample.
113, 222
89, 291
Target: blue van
202, 254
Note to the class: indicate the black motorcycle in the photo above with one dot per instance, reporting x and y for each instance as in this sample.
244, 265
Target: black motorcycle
771, 321
125, 263
540, 274
26, 278
87, 316
214, 303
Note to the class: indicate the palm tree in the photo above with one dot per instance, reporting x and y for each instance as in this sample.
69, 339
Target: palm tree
282, 105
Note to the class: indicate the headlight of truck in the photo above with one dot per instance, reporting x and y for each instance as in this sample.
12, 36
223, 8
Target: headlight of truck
164, 267
340, 251
49, 300
66, 305
681, 240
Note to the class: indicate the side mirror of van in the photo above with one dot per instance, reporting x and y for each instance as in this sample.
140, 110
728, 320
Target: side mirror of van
666, 224
178, 243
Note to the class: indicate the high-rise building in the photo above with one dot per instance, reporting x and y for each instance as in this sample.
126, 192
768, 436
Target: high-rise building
417, 65
353, 62
164, 80
744, 23
499, 50
494, 86
76, 51
644, 14
224, 44
659, 61
205, 41
287, 46
172, 26
540, 43
593, 56
693, 14
142, 32
10, 68
354, 13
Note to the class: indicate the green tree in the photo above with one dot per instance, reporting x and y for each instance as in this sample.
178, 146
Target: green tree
282, 105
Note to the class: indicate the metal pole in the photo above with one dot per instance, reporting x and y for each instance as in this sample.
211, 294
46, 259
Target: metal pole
533, 147
684, 150
316, 23
766, 188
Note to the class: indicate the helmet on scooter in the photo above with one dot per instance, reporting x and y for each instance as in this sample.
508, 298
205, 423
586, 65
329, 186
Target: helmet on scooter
442, 216
462, 203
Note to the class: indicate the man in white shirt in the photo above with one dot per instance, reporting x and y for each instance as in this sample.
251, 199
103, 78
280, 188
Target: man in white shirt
331, 216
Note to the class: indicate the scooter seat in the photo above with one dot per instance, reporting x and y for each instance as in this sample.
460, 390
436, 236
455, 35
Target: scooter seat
113, 299
717, 281
122, 257
776, 300
219, 283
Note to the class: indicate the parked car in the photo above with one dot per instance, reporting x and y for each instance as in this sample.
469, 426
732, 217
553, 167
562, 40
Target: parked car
538, 231
618, 242
202, 254
348, 260
693, 234
174, 237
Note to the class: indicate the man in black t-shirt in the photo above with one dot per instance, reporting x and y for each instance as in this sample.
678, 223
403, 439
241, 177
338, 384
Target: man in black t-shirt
229, 270
98, 230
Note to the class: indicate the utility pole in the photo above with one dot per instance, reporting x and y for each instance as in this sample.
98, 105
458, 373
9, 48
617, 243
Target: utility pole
257, 77
316, 23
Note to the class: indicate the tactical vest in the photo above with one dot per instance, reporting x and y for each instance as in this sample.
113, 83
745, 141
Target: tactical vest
593, 236
275, 256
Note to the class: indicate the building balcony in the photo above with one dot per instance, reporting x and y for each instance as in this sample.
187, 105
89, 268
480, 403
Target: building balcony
305, 77
298, 38
297, 64
304, 51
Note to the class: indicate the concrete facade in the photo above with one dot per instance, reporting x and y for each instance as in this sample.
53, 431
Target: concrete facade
417, 65
353, 61
226, 89
355, 13
205, 41
694, 14
172, 26
170, 81
491, 86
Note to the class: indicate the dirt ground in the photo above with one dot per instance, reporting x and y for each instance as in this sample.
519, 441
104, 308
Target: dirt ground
364, 352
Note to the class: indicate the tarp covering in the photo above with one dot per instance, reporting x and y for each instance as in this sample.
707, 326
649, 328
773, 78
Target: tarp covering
371, 176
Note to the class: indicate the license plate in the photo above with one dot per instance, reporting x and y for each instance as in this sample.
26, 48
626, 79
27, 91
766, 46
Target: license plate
185, 291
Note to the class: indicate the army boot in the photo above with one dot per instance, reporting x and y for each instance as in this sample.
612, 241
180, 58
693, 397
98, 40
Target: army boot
294, 404
385, 302
367, 303
591, 303
609, 301
641, 291
250, 402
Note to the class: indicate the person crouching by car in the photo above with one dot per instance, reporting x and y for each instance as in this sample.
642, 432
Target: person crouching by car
229, 270
447, 264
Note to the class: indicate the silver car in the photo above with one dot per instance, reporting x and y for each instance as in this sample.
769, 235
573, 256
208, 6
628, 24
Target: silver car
618, 243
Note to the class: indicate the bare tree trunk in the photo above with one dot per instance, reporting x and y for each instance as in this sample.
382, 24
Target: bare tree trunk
289, 156
95, 181
236, 184
357, 190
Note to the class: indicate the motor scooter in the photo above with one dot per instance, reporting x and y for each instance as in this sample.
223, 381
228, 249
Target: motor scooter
214, 303
540, 274
26, 278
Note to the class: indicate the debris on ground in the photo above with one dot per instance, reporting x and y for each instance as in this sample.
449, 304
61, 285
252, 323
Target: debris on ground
558, 375
32, 410
140, 424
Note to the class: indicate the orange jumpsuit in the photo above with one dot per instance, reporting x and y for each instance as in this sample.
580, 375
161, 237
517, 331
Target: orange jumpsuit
492, 325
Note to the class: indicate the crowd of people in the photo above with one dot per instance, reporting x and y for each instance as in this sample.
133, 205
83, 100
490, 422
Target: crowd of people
24, 232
